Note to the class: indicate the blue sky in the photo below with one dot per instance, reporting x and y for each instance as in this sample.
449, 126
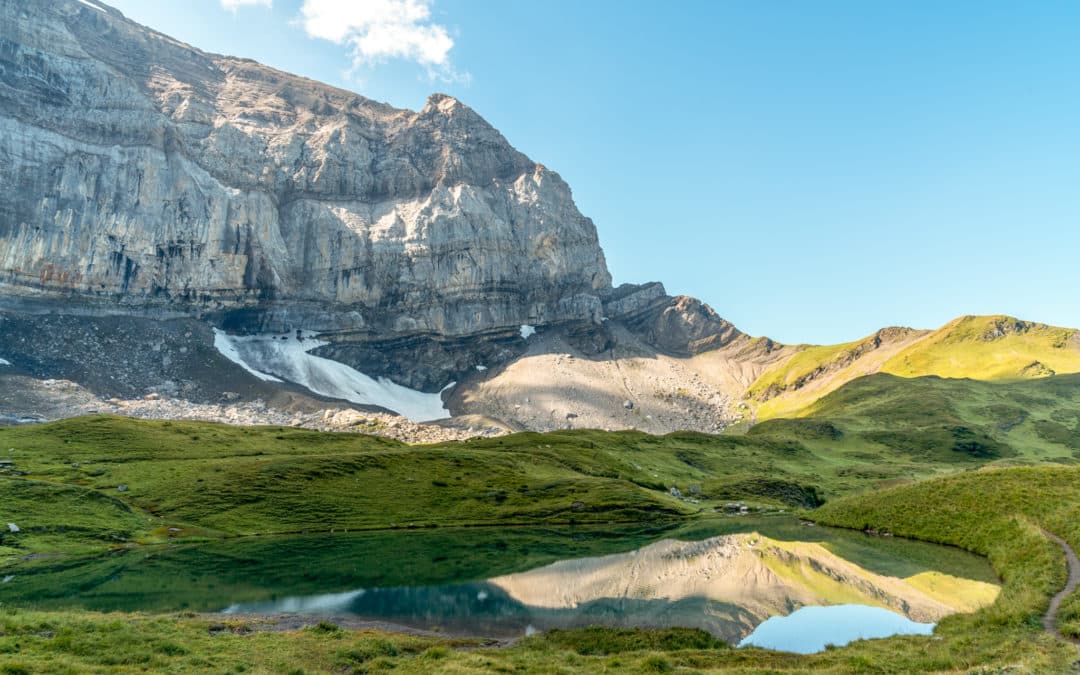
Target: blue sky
813, 170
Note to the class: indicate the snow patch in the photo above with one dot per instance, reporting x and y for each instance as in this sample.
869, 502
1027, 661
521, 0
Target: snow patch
224, 344
7, 578
481, 369
5, 362
12, 527
270, 357
527, 330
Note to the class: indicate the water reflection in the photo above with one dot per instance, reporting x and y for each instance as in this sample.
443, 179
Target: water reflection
726, 577
812, 629
727, 585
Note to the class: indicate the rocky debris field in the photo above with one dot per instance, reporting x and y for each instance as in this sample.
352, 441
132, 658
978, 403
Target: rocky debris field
561, 377
556, 385
27, 400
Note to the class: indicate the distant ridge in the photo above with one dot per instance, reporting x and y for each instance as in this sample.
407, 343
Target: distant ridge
995, 347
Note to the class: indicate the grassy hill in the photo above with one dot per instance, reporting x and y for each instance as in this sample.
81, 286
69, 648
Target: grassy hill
816, 370
93, 484
96, 482
974, 347
882, 428
999, 513
990, 348
1027, 420
105, 481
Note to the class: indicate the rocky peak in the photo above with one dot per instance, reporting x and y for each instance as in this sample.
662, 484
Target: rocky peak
680, 325
444, 104
142, 172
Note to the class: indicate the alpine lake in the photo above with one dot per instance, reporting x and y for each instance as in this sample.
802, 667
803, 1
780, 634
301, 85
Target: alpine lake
771, 582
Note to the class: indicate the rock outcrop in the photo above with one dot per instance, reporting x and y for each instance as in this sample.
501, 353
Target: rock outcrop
679, 326
139, 171
151, 192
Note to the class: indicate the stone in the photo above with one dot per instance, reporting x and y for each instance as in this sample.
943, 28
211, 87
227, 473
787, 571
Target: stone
12, 527
122, 488
146, 173
158, 192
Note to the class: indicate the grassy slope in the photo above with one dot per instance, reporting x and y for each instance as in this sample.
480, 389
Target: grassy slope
1023, 421
976, 347
994, 512
990, 348
209, 480
185, 480
816, 370
997, 512
881, 429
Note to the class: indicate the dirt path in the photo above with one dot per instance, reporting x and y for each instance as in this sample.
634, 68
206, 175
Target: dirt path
1050, 618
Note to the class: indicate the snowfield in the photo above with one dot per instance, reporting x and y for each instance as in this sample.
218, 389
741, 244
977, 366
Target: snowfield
224, 344
270, 357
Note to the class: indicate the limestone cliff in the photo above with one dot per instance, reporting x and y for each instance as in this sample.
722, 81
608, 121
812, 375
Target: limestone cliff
139, 171
186, 191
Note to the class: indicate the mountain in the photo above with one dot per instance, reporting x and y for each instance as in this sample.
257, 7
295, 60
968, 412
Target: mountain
146, 178
241, 244
144, 172
975, 347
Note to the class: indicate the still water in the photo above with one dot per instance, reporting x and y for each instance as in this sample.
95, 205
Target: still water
812, 629
770, 582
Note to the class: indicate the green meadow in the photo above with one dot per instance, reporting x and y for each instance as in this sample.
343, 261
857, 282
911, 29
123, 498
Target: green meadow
983, 466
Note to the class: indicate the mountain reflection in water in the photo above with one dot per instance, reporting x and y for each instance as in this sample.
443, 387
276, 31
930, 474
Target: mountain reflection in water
726, 585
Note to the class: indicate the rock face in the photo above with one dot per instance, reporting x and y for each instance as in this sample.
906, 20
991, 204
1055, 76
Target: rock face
679, 326
150, 192
136, 170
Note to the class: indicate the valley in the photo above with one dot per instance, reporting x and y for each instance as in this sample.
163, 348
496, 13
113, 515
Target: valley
989, 511
294, 380
91, 492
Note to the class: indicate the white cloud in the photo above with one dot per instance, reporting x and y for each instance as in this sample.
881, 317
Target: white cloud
376, 30
233, 5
